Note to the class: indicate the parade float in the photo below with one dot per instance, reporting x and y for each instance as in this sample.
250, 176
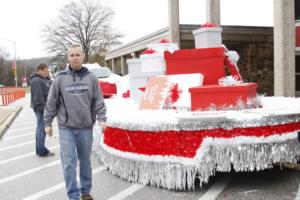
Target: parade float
187, 119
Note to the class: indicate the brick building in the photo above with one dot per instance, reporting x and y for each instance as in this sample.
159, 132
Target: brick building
256, 46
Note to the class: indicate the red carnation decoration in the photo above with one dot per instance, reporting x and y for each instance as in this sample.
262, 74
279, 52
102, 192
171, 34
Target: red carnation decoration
142, 89
164, 41
149, 51
174, 93
208, 25
126, 94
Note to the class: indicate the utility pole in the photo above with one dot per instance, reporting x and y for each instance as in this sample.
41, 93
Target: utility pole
15, 63
25, 71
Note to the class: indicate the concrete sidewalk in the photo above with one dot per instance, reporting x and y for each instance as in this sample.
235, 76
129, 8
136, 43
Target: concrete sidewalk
7, 115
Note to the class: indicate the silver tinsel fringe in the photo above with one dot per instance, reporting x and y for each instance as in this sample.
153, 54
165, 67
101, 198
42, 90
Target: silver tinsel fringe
207, 124
222, 158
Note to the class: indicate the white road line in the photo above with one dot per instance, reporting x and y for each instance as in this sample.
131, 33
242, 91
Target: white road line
26, 115
298, 194
20, 129
17, 145
26, 119
24, 135
23, 115
10, 178
18, 136
21, 125
217, 188
24, 156
56, 187
23, 120
127, 192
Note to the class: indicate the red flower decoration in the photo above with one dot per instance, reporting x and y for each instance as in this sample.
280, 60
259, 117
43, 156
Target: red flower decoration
174, 93
142, 89
164, 41
149, 51
126, 94
207, 25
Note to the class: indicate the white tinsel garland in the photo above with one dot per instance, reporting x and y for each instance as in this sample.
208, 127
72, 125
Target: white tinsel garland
176, 175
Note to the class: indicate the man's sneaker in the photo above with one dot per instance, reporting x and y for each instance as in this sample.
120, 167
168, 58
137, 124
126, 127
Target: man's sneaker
49, 154
86, 197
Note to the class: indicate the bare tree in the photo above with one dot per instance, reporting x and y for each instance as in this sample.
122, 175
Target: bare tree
3, 66
86, 22
3, 53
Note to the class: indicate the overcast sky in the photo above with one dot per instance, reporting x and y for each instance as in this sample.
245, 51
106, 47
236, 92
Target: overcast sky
22, 20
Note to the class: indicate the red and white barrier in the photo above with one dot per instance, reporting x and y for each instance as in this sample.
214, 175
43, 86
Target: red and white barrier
9, 95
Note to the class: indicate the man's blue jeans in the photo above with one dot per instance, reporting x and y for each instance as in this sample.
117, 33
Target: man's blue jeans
40, 135
76, 143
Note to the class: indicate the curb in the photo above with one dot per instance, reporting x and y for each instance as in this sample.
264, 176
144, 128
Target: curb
5, 125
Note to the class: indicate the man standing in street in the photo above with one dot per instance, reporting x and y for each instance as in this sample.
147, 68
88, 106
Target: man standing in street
77, 101
40, 84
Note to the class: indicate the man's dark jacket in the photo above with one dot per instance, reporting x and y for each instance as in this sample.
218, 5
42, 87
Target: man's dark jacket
39, 92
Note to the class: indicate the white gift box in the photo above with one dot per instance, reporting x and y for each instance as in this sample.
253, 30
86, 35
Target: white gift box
208, 37
138, 78
153, 62
134, 66
184, 82
162, 47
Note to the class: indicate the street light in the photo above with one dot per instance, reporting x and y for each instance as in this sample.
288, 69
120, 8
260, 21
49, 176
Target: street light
15, 59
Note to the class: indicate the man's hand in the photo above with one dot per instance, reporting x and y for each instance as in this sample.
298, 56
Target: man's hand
103, 125
48, 130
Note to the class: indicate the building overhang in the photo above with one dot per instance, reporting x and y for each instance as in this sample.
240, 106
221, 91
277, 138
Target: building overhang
230, 33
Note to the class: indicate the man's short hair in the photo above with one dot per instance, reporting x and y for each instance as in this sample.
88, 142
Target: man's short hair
42, 66
73, 46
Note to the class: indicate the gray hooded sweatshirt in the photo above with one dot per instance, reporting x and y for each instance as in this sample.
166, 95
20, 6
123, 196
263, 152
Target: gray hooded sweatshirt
75, 99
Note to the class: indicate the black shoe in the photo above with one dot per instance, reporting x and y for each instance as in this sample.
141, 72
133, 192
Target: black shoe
49, 154
86, 197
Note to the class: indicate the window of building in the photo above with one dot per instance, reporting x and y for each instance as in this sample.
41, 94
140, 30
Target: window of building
298, 64
297, 9
298, 75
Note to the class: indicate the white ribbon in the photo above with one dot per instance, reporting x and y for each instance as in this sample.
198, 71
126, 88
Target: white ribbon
233, 57
229, 80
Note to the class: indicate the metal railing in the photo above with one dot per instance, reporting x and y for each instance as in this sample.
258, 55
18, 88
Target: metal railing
9, 95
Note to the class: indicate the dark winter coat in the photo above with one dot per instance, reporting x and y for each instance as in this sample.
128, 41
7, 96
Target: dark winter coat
39, 92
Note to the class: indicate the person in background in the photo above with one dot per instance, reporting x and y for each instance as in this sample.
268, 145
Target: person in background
40, 84
77, 101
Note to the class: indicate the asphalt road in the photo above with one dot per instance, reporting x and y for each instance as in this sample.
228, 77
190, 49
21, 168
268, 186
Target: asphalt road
23, 175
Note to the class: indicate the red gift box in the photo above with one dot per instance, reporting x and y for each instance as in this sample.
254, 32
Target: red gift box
221, 96
208, 61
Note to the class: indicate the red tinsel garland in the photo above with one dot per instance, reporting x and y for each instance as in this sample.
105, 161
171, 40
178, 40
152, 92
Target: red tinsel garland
182, 143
